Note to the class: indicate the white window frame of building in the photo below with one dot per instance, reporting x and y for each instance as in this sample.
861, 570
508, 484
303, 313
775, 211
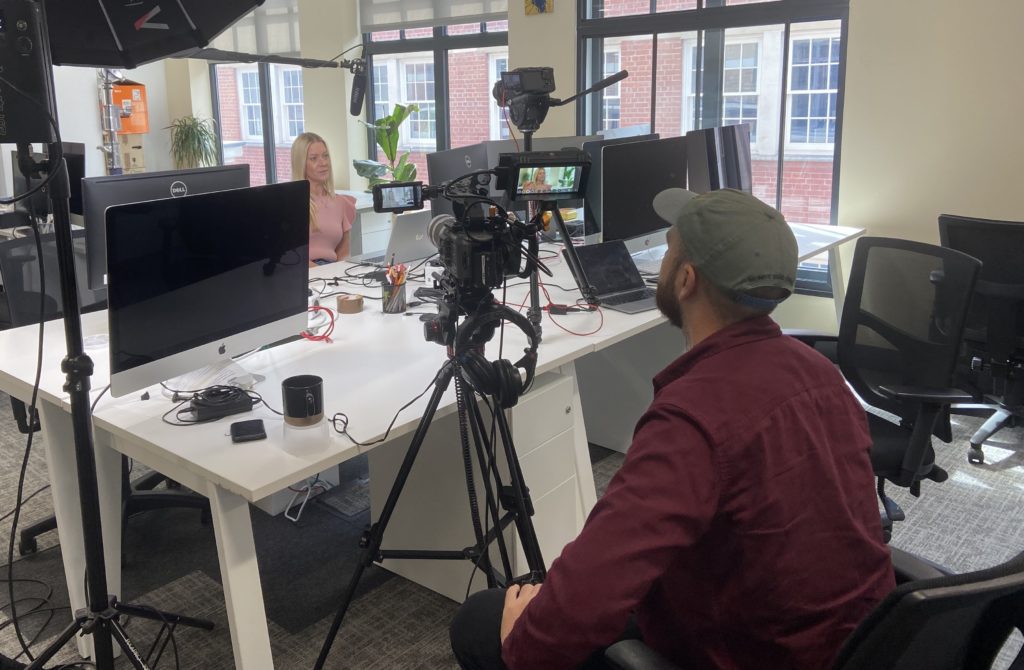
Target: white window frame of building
830, 92
422, 118
285, 133
611, 97
740, 95
243, 73
382, 93
689, 71
499, 129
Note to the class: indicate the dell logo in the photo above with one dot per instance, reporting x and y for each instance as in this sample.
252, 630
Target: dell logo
222, 349
178, 189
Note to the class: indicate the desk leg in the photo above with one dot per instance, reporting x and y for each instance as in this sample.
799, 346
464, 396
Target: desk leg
243, 595
60, 462
835, 270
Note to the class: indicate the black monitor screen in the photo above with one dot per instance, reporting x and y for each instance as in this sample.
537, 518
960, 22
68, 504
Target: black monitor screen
39, 203
99, 193
632, 174
187, 271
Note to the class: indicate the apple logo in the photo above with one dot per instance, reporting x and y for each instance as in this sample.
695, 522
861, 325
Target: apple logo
222, 349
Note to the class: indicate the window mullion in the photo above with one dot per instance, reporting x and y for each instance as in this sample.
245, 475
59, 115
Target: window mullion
267, 115
783, 115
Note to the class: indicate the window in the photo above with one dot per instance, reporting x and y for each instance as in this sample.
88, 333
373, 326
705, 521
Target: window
381, 95
739, 86
612, 95
814, 83
499, 128
292, 100
419, 89
251, 108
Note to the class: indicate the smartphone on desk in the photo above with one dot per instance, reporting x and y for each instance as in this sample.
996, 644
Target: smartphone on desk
247, 431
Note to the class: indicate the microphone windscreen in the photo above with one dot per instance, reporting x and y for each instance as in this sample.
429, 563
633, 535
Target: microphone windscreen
355, 107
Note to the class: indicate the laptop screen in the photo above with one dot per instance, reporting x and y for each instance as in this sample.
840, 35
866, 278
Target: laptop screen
609, 267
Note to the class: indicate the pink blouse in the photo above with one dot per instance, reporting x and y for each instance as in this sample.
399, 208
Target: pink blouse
334, 216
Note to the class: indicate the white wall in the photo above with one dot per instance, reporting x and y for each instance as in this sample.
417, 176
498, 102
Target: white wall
547, 40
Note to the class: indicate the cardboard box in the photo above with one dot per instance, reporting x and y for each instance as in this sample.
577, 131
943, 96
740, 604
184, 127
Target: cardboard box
132, 155
130, 96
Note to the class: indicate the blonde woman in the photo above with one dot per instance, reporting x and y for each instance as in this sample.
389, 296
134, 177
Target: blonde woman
330, 215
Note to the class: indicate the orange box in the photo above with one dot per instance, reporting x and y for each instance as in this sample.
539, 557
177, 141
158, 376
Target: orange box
130, 96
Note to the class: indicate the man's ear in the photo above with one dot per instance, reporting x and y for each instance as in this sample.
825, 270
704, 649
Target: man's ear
685, 282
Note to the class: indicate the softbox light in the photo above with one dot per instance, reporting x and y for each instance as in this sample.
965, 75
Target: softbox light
128, 33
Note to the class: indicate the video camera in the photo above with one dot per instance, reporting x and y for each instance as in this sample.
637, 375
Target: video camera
484, 246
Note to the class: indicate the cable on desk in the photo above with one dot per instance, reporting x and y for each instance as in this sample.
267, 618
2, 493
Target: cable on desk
211, 397
325, 336
342, 418
92, 408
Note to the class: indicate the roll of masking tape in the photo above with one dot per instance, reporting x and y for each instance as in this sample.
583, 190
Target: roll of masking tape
350, 304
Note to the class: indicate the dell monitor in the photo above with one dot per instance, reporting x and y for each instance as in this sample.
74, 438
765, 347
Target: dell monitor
99, 193
39, 203
631, 175
719, 158
198, 279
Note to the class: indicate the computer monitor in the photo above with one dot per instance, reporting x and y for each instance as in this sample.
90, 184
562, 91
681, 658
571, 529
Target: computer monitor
39, 203
631, 175
592, 202
198, 279
719, 158
99, 193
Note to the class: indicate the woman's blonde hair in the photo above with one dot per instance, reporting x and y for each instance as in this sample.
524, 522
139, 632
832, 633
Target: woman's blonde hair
300, 150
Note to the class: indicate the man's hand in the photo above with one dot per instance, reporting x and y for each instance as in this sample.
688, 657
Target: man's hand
516, 599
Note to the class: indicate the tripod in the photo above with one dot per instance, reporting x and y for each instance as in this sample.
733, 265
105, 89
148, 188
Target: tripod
101, 619
466, 367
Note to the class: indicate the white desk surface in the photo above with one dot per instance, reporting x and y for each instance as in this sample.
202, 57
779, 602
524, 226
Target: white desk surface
363, 346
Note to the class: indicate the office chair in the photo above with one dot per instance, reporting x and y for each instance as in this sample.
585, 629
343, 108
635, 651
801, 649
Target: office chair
15, 218
19, 306
897, 346
940, 622
992, 363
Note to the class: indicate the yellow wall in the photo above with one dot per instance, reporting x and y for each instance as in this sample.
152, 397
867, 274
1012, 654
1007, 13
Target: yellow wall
933, 114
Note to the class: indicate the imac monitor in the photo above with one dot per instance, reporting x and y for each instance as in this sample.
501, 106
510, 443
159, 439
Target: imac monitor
719, 158
39, 203
631, 175
198, 279
592, 200
99, 193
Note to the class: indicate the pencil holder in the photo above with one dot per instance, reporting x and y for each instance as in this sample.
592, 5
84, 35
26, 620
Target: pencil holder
393, 298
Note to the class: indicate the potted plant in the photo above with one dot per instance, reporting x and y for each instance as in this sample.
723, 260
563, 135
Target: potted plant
397, 168
193, 142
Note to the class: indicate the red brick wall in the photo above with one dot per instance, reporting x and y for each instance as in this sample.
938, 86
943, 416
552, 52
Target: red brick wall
469, 97
230, 108
807, 191
669, 104
635, 90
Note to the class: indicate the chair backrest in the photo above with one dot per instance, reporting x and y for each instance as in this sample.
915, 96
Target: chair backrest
19, 274
957, 622
995, 321
903, 318
14, 219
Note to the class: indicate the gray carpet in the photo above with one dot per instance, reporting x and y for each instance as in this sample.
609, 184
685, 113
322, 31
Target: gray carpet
968, 522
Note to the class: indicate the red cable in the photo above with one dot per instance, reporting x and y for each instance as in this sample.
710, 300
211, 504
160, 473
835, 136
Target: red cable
326, 335
547, 309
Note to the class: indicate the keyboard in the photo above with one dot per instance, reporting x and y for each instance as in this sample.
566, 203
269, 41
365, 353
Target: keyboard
373, 260
630, 296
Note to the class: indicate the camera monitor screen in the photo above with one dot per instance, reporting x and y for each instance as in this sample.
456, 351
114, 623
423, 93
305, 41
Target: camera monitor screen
545, 182
197, 279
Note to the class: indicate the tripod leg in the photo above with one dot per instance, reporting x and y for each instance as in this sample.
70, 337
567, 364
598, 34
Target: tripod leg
118, 633
55, 646
524, 520
168, 618
372, 540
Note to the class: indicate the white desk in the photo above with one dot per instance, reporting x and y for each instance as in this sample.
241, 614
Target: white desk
375, 364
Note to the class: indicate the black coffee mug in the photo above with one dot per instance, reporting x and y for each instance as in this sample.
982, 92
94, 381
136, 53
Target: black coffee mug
303, 400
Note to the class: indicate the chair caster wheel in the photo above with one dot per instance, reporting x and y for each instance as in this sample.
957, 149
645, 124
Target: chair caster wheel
975, 455
28, 546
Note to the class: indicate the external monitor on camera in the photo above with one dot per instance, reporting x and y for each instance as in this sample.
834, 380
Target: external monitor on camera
196, 280
544, 175
99, 193
398, 197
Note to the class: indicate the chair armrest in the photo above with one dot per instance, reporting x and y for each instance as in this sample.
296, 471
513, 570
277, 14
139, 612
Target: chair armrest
926, 394
910, 568
635, 655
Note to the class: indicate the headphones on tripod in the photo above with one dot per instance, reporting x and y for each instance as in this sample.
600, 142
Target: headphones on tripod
499, 379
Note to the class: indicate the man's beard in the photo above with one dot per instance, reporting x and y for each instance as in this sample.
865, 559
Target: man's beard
667, 303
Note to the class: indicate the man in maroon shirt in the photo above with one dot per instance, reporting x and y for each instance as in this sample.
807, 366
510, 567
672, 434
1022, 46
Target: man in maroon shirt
741, 530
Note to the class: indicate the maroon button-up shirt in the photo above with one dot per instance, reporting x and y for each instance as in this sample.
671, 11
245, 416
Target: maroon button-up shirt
742, 529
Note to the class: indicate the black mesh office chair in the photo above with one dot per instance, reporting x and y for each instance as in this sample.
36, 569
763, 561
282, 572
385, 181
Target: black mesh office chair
14, 219
898, 343
20, 305
992, 364
943, 622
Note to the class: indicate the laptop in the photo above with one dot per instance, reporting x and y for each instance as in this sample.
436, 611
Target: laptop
408, 241
609, 271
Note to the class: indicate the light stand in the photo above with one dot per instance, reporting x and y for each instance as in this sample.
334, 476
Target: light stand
101, 618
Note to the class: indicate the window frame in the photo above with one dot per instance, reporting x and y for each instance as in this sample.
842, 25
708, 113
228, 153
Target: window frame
283, 134
243, 73
499, 130
809, 148
712, 15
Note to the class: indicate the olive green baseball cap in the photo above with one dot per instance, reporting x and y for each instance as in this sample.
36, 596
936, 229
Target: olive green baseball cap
735, 240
